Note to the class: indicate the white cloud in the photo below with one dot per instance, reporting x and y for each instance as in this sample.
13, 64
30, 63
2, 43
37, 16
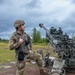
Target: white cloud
56, 9
50, 12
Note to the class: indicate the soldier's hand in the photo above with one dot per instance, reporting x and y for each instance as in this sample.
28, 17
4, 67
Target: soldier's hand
30, 51
21, 40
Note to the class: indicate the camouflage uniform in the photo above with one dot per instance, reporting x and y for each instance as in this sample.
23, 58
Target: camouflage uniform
15, 45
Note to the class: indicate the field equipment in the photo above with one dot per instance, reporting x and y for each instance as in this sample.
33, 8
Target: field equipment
65, 49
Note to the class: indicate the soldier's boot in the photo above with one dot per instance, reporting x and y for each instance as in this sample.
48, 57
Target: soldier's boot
43, 73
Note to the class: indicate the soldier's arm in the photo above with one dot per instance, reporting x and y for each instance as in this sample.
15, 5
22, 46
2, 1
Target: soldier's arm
13, 44
30, 42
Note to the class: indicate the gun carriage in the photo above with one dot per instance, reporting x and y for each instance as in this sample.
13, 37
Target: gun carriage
65, 49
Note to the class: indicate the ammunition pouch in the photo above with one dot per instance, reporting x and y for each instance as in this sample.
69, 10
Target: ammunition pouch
21, 55
26, 41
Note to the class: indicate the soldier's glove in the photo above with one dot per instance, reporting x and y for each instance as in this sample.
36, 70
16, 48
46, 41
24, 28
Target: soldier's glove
26, 41
30, 51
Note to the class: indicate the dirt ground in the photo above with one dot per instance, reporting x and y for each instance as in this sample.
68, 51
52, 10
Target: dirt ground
30, 69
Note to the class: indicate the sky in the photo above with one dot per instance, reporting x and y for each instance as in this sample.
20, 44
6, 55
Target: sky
52, 13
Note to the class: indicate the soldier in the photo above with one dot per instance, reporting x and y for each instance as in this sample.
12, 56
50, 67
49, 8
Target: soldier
21, 43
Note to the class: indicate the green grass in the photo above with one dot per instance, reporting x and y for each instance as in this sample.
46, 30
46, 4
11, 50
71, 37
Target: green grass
44, 47
7, 55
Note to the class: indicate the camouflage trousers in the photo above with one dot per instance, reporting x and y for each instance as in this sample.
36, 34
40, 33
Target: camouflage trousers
20, 65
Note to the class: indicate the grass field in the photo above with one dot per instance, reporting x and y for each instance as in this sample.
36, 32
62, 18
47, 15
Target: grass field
7, 55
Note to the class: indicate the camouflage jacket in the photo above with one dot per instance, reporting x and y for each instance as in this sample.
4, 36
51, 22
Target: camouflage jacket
15, 45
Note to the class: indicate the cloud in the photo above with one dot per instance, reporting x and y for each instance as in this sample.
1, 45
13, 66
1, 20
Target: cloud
57, 13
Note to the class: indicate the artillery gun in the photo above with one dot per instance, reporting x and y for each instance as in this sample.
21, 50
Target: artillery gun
65, 49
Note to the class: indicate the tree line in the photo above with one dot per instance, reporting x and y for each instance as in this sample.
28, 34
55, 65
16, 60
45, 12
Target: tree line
36, 37
3, 40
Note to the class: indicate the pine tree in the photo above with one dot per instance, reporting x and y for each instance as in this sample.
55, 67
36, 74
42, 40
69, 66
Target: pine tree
36, 37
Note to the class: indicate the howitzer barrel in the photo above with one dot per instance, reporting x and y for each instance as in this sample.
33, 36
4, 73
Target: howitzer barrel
54, 42
47, 32
50, 37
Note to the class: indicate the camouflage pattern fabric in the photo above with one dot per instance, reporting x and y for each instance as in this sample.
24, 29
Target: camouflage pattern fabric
14, 42
18, 23
20, 65
15, 45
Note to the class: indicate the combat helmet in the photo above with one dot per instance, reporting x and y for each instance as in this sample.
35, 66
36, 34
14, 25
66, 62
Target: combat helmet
18, 23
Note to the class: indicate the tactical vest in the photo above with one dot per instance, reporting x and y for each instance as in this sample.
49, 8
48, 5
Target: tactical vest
23, 46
